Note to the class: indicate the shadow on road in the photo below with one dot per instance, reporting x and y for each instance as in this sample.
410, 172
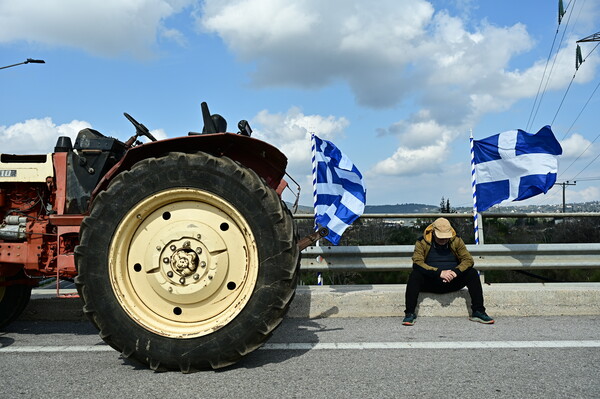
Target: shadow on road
290, 330
6, 341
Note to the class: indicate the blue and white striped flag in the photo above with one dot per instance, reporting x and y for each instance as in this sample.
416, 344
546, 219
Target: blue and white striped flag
339, 192
514, 166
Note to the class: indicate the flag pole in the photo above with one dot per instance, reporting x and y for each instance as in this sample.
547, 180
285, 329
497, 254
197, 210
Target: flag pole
313, 143
473, 185
314, 182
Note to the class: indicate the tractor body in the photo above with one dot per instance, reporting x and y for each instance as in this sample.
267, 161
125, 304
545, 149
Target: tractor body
181, 243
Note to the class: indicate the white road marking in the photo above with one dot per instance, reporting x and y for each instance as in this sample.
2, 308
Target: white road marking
432, 345
342, 346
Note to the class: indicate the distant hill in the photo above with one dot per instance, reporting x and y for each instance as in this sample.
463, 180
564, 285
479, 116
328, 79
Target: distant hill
398, 208
301, 208
592, 206
402, 208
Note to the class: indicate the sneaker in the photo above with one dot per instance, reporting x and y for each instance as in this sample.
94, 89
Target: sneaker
481, 317
409, 319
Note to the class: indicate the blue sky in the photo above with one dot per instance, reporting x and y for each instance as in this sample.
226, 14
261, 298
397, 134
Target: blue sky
397, 85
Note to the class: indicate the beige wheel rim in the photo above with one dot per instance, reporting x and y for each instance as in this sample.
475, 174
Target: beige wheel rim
183, 263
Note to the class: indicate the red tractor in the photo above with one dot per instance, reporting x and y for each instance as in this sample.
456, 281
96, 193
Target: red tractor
182, 251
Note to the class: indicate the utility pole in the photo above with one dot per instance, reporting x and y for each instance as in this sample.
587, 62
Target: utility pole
564, 184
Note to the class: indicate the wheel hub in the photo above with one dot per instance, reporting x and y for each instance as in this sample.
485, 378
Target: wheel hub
178, 273
184, 261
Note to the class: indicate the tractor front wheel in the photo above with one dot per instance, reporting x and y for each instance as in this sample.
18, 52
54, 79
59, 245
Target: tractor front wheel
187, 261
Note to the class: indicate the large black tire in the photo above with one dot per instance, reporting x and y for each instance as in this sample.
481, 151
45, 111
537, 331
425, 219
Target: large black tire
13, 300
187, 262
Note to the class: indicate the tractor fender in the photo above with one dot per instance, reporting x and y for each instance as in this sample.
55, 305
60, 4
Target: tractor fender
264, 159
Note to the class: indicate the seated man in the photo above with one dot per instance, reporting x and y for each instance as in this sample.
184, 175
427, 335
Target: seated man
442, 263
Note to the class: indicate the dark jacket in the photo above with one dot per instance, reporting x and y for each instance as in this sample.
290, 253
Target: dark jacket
457, 246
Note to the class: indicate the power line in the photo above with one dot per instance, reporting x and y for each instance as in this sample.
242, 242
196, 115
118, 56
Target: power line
543, 200
595, 37
571, 82
586, 166
580, 155
546, 198
543, 75
561, 12
582, 109
563, 99
552, 68
589, 179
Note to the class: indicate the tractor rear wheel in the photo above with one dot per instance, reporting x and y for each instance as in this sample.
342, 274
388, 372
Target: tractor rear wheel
13, 300
187, 261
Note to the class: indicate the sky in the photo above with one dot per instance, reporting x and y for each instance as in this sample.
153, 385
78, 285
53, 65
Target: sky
397, 85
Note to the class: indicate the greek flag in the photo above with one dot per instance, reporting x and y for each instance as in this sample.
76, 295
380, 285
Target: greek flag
514, 166
339, 192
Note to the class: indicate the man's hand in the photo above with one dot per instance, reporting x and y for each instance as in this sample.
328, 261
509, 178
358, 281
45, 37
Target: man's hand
447, 275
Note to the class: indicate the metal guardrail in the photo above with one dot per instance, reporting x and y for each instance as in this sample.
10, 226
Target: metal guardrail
486, 256
484, 215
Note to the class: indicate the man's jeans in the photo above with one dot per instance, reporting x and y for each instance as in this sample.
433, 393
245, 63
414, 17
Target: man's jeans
419, 282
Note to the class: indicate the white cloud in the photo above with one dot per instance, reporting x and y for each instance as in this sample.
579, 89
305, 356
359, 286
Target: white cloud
585, 195
455, 109
107, 27
37, 136
452, 181
291, 131
174, 35
418, 130
385, 51
159, 134
312, 43
251, 25
424, 147
587, 16
407, 161
574, 146
452, 69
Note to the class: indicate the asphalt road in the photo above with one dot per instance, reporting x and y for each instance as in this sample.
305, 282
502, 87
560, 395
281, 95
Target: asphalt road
539, 357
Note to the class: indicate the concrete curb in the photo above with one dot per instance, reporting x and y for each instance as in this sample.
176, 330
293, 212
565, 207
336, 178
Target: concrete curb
554, 299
